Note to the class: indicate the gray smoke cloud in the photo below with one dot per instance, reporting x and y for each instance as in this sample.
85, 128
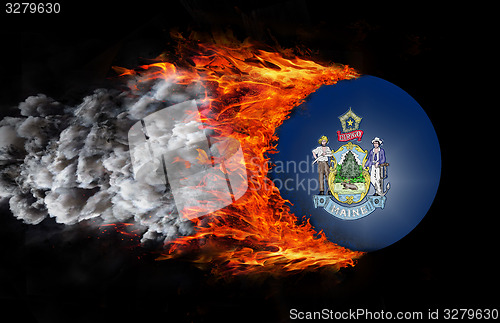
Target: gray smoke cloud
72, 163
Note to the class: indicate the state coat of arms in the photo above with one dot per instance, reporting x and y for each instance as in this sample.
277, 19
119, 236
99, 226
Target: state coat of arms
349, 172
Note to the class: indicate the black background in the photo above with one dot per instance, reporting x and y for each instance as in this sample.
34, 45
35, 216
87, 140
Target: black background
50, 273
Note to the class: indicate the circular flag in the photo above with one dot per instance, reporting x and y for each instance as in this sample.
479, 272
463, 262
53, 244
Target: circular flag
361, 159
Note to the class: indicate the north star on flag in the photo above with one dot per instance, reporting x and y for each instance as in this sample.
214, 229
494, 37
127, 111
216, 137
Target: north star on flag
350, 125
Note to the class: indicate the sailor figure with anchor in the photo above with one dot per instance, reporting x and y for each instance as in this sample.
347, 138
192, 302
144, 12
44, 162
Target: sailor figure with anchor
321, 155
377, 165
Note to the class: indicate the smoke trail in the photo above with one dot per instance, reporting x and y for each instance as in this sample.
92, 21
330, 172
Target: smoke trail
73, 163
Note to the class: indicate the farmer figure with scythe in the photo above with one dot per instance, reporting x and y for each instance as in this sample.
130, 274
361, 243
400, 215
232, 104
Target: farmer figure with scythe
321, 155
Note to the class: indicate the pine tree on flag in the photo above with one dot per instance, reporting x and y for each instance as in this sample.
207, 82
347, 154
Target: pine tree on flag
350, 168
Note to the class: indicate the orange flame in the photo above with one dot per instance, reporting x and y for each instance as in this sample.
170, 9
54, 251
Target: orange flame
249, 92
177, 159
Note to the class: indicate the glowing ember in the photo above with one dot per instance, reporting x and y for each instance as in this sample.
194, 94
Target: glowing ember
124, 229
249, 92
